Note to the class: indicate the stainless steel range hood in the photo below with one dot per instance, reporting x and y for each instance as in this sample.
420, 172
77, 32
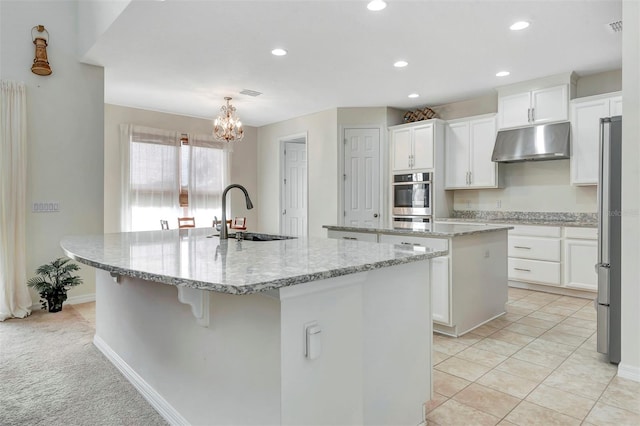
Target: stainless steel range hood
537, 143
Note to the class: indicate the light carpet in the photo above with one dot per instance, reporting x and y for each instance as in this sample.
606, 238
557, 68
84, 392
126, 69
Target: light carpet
51, 373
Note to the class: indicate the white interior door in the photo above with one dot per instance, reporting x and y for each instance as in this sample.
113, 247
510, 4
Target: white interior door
362, 178
294, 190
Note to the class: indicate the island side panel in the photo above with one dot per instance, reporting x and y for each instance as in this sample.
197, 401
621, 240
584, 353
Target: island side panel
227, 373
398, 344
480, 276
375, 363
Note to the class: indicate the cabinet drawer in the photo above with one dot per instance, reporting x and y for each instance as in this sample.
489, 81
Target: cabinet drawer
534, 248
536, 230
359, 236
581, 233
433, 243
534, 271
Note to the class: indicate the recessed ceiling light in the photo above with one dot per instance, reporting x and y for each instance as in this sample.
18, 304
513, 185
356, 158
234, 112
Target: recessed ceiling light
376, 5
414, 95
400, 64
278, 52
520, 25
502, 73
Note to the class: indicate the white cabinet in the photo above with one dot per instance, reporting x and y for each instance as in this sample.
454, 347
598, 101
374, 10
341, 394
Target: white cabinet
413, 147
440, 290
585, 135
563, 258
469, 145
469, 285
534, 107
580, 257
534, 254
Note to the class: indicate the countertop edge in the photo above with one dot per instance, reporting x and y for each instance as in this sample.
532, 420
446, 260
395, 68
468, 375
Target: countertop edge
572, 224
254, 288
424, 233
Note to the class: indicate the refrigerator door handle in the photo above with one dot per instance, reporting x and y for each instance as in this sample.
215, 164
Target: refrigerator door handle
603, 284
603, 200
602, 339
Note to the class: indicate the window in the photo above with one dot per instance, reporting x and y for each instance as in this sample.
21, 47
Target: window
167, 175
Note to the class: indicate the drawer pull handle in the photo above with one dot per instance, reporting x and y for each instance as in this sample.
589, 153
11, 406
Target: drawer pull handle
522, 269
522, 247
410, 244
349, 238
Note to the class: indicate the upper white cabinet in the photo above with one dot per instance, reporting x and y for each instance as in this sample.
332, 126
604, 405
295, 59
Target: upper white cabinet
413, 146
585, 134
469, 145
534, 107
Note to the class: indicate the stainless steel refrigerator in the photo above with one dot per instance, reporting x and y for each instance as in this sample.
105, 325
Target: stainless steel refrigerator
609, 238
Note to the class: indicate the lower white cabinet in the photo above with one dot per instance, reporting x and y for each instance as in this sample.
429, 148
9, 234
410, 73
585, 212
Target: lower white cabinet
440, 290
580, 257
468, 286
562, 257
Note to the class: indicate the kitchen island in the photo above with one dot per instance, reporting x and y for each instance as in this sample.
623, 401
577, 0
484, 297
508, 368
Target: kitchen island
469, 285
295, 331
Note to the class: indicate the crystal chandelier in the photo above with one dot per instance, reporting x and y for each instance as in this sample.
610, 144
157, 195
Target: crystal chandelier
227, 127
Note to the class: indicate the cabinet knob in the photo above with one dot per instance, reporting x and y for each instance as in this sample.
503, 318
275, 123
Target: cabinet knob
375, 215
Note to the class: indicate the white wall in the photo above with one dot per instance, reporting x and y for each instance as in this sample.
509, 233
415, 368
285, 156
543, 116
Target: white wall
322, 155
541, 186
243, 158
94, 18
630, 364
64, 130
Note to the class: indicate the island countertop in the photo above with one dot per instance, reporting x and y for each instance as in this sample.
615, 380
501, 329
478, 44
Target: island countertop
193, 258
440, 230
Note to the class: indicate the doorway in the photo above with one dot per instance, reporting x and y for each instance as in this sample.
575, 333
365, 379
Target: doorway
362, 186
293, 198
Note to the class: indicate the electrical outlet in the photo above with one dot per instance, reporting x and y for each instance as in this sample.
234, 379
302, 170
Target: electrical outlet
45, 207
468, 204
487, 254
499, 204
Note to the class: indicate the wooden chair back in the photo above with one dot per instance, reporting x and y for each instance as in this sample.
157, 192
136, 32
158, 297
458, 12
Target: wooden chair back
239, 223
186, 222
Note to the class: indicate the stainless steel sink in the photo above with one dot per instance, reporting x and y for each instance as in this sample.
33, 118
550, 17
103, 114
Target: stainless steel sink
253, 236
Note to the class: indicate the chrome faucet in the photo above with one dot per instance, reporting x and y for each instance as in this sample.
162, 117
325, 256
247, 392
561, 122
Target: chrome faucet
223, 228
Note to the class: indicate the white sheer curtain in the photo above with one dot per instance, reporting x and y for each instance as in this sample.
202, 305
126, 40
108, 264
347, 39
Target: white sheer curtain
208, 176
15, 301
150, 177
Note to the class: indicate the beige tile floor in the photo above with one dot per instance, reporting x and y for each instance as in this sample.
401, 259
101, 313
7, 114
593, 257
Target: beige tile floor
536, 365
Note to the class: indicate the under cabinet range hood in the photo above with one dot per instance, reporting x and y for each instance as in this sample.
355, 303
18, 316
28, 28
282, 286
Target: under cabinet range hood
537, 143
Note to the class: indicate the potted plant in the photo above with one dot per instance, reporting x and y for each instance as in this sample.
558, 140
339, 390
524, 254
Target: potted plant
53, 281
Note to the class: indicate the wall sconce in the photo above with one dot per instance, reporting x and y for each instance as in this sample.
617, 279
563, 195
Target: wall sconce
41, 40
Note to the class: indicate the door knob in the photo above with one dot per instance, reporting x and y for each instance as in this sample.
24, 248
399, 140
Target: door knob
375, 215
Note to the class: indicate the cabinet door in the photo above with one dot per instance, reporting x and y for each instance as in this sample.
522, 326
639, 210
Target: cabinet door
457, 155
482, 134
423, 147
580, 256
616, 106
401, 147
585, 142
440, 295
513, 110
550, 104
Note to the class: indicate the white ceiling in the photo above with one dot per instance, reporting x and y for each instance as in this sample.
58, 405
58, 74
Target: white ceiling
184, 57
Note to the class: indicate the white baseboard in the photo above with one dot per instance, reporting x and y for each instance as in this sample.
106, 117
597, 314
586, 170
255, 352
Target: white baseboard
160, 404
629, 372
84, 298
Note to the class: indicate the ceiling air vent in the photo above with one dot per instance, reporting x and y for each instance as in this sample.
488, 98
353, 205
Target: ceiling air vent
616, 26
250, 92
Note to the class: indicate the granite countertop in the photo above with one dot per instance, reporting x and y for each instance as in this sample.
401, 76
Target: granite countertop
194, 258
523, 221
434, 230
